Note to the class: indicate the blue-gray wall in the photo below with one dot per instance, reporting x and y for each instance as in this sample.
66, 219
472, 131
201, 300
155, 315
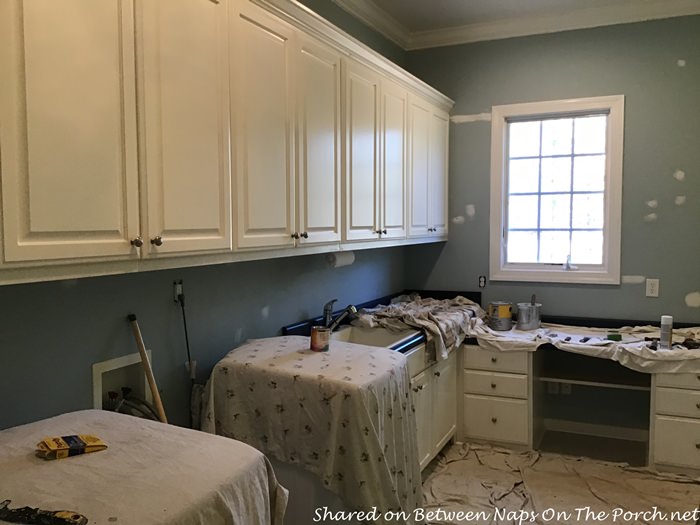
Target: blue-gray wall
52, 333
662, 134
348, 23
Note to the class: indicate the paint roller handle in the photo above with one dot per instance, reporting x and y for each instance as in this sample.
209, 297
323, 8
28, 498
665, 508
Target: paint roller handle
147, 368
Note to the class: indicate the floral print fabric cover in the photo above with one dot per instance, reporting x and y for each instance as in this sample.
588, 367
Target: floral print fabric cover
345, 415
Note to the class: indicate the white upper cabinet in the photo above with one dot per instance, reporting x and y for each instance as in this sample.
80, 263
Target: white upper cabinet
263, 126
375, 155
428, 143
392, 223
439, 144
185, 123
68, 129
362, 164
319, 143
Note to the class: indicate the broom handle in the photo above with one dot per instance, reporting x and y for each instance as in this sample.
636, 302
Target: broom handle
147, 368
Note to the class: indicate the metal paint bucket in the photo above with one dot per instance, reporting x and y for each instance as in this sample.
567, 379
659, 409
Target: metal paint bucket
528, 316
500, 316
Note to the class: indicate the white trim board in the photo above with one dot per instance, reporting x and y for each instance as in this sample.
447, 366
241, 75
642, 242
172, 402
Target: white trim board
98, 369
582, 18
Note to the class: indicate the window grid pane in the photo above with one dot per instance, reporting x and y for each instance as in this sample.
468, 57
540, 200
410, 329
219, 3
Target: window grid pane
573, 212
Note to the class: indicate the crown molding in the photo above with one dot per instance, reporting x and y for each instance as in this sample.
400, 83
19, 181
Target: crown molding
382, 22
378, 19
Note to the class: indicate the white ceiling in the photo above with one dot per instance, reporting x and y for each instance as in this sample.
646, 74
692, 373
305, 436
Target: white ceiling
415, 24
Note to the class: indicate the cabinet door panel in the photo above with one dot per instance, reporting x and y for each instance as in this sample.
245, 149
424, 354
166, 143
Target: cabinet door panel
185, 98
419, 167
393, 208
263, 116
421, 391
445, 404
319, 143
69, 179
439, 130
362, 152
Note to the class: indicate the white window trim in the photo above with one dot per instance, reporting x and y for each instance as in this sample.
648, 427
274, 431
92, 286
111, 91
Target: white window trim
609, 271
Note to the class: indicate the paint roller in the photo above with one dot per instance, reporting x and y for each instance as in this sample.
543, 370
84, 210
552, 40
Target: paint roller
147, 368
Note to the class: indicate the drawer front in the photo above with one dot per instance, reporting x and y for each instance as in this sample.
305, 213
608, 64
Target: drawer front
475, 357
677, 441
677, 402
495, 384
679, 380
417, 360
496, 419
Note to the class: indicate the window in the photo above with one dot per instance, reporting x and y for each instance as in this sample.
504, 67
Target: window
556, 190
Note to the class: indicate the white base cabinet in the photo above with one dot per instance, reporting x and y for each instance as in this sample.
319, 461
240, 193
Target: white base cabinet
496, 390
675, 436
434, 392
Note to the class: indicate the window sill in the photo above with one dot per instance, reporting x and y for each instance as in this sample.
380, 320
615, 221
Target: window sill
555, 276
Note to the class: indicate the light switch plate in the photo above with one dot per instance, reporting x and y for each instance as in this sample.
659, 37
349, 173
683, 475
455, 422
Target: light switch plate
652, 287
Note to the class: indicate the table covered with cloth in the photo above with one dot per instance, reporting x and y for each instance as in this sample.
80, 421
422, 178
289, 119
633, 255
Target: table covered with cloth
151, 473
345, 415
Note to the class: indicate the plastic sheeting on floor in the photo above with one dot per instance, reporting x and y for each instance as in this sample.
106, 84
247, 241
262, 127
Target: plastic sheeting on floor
499, 486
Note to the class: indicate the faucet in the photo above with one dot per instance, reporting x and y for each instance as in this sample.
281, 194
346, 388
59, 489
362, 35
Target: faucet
328, 320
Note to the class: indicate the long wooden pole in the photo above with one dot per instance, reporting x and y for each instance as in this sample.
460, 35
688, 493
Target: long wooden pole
147, 368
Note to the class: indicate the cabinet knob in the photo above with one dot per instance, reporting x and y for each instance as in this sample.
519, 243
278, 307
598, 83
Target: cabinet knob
418, 388
493, 385
495, 420
305, 235
697, 445
698, 405
384, 231
138, 242
437, 374
157, 241
494, 359
295, 235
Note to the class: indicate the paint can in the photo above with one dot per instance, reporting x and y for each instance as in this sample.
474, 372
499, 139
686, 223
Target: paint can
500, 316
320, 338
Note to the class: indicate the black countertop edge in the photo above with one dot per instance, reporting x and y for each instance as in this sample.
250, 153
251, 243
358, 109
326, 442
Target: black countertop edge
304, 327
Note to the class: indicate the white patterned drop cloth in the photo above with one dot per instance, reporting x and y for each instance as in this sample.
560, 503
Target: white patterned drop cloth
150, 474
345, 415
447, 321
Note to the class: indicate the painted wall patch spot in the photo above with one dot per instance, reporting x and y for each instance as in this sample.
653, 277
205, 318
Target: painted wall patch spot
679, 200
653, 203
459, 219
650, 217
681, 62
679, 175
693, 299
470, 210
633, 279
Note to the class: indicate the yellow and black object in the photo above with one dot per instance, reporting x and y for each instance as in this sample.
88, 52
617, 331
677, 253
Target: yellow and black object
32, 516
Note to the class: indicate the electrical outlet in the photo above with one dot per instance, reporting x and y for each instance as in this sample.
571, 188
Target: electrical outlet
565, 388
177, 290
652, 287
482, 281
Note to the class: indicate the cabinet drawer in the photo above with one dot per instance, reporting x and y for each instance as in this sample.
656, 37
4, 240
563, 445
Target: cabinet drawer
677, 441
496, 419
495, 384
677, 402
679, 380
418, 360
475, 357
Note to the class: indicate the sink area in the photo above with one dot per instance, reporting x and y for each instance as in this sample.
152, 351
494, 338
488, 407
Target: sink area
376, 336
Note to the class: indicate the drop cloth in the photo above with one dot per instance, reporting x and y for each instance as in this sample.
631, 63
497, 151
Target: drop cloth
508, 486
345, 415
151, 473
